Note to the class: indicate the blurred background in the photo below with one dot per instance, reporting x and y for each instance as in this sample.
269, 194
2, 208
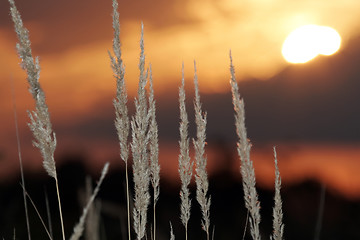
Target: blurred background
309, 111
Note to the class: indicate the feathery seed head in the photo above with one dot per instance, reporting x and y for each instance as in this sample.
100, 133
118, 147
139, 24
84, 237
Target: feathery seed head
201, 177
243, 148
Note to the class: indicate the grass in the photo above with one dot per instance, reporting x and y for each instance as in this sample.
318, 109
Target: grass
185, 164
40, 124
138, 136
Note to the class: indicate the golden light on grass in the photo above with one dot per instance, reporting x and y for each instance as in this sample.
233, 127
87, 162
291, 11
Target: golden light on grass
308, 41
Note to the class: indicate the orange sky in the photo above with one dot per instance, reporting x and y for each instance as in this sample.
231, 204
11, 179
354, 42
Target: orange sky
179, 31
72, 40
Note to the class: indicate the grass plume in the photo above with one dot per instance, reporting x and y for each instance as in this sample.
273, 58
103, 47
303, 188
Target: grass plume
201, 178
243, 148
40, 124
153, 150
278, 226
120, 104
185, 164
139, 144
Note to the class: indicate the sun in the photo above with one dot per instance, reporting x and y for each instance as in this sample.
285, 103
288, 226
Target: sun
309, 41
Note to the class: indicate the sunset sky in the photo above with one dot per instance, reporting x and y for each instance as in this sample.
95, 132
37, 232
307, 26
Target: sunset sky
309, 111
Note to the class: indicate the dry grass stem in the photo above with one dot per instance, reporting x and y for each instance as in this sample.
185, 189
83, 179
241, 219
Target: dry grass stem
40, 123
38, 213
278, 226
79, 228
185, 164
139, 127
172, 236
92, 222
201, 178
48, 213
243, 148
20, 159
153, 150
120, 103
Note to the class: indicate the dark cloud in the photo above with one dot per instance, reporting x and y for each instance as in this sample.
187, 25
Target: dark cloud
73, 23
312, 102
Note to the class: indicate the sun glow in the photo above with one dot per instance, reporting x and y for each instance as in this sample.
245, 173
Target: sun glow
309, 41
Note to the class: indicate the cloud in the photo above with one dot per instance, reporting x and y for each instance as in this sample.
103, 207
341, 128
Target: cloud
177, 31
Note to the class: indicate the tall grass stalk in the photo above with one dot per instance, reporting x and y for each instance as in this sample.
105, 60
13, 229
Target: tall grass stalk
38, 213
172, 236
40, 123
153, 150
243, 148
201, 178
320, 216
20, 159
79, 227
48, 213
92, 222
139, 146
278, 226
120, 103
185, 164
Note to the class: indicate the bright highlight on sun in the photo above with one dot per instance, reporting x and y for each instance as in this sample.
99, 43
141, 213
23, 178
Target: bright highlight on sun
307, 42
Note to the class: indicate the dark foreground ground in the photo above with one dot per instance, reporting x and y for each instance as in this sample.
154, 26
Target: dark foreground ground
341, 217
